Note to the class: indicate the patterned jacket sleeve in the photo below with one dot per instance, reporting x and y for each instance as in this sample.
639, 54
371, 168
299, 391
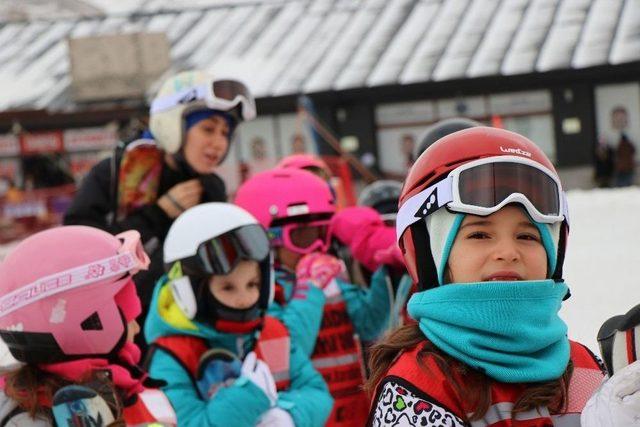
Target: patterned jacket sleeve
400, 403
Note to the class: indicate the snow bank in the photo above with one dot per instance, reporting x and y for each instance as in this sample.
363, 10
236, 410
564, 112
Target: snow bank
602, 259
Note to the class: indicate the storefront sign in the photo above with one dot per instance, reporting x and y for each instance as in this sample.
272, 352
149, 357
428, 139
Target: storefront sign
9, 145
43, 142
89, 139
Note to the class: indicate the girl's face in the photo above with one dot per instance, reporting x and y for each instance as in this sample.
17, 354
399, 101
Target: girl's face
133, 328
239, 289
503, 246
288, 258
206, 144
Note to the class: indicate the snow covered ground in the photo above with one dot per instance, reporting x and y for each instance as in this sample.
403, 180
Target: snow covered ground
603, 258
602, 262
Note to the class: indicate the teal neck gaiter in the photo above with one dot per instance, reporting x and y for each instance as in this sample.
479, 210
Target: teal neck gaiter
511, 331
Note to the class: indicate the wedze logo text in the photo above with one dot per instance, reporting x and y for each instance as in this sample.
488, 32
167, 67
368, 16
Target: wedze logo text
515, 151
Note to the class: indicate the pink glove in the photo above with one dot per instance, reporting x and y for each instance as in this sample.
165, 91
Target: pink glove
346, 223
391, 256
319, 269
362, 230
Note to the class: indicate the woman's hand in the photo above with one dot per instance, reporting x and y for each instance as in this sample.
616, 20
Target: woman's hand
181, 197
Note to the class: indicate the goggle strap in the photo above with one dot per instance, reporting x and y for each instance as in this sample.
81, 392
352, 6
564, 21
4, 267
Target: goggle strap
565, 207
424, 204
66, 280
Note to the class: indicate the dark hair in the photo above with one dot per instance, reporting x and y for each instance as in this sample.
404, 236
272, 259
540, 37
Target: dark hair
477, 386
29, 386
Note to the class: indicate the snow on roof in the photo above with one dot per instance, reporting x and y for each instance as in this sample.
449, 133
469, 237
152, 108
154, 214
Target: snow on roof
563, 36
626, 45
599, 31
282, 47
497, 39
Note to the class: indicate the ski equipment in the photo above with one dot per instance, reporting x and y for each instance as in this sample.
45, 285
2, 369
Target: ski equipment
68, 292
619, 340
210, 239
192, 91
297, 215
441, 129
477, 171
79, 406
309, 162
382, 196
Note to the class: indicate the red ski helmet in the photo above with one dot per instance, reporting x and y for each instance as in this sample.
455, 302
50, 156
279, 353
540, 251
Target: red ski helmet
435, 165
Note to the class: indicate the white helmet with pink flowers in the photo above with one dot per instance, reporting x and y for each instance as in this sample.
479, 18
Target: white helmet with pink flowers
67, 293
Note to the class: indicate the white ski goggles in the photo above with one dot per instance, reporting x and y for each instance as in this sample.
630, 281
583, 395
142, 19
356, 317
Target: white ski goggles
484, 186
223, 95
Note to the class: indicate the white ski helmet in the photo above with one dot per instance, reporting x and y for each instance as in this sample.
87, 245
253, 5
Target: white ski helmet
191, 91
210, 239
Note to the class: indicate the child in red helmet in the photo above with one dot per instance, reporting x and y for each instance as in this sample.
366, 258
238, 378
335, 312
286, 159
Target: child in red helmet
68, 306
483, 226
325, 314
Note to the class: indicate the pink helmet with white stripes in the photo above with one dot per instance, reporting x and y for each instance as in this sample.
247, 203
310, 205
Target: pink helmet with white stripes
285, 201
67, 293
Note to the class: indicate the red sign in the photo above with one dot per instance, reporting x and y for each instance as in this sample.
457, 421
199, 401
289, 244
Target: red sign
9, 145
90, 139
9, 168
43, 142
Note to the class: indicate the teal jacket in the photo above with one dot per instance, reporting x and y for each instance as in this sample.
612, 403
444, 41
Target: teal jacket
242, 403
302, 312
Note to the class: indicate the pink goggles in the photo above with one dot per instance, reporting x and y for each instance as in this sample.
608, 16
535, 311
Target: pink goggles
302, 238
130, 258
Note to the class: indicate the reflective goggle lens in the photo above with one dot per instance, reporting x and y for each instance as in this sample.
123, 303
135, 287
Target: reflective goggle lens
221, 254
230, 90
305, 236
489, 184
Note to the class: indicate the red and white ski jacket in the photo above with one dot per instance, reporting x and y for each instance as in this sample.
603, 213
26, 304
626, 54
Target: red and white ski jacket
413, 394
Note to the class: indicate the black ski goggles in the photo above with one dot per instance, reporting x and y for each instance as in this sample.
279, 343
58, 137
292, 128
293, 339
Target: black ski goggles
484, 186
220, 255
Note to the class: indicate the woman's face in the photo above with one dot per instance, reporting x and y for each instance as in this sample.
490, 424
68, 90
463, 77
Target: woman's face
504, 246
206, 144
240, 289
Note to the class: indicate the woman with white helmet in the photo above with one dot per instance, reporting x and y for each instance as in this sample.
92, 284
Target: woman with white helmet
150, 181
211, 339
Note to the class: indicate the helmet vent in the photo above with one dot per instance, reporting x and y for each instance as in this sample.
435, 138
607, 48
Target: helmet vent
92, 323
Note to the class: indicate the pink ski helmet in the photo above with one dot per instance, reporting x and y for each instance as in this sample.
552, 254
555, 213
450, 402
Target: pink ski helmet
66, 293
287, 202
308, 162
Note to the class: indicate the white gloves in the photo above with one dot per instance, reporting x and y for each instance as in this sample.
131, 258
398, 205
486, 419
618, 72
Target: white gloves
276, 417
617, 402
258, 372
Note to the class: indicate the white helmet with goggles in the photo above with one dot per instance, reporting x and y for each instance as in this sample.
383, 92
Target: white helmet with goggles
192, 91
211, 239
